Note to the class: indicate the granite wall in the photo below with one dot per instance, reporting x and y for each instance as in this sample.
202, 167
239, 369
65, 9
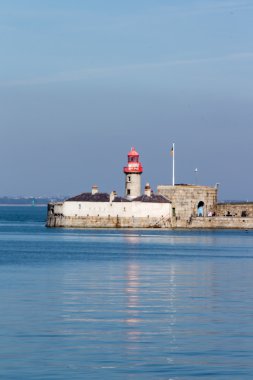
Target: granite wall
235, 209
185, 199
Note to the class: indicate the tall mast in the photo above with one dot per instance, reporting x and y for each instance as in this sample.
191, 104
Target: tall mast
173, 164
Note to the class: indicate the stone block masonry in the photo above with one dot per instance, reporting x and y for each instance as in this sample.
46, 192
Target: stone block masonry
235, 209
189, 201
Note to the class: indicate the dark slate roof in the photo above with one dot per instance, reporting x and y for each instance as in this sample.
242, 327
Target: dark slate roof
88, 197
105, 197
154, 198
121, 199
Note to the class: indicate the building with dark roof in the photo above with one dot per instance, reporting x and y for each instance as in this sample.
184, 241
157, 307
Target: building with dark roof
103, 210
173, 206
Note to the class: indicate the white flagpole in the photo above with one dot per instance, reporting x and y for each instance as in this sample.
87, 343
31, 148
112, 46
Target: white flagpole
173, 165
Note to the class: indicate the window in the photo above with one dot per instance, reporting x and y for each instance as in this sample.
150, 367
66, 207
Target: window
173, 211
129, 178
128, 191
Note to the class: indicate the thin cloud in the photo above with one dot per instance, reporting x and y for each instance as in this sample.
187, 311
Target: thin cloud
85, 73
196, 7
226, 5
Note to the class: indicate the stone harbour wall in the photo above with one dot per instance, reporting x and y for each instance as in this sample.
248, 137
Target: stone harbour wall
235, 209
220, 223
135, 222
107, 222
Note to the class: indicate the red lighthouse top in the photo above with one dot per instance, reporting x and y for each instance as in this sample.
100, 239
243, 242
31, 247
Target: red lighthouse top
133, 166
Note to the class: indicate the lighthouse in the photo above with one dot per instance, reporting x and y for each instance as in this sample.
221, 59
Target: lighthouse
133, 172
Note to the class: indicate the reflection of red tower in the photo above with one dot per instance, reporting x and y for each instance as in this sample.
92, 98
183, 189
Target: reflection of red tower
133, 172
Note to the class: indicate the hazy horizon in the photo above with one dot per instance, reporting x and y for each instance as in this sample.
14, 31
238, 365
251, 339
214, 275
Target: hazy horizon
81, 83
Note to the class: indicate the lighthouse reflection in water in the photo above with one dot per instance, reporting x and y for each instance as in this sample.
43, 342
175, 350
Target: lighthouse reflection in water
106, 304
138, 315
143, 305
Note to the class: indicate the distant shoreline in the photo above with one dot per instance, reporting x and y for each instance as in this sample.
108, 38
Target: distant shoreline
22, 205
28, 201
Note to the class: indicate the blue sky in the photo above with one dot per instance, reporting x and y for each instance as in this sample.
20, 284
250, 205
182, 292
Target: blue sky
83, 81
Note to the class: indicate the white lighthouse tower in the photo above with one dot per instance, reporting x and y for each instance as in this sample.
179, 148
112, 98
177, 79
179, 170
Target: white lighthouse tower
133, 172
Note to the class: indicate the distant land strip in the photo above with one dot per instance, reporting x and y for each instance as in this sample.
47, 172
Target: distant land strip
29, 201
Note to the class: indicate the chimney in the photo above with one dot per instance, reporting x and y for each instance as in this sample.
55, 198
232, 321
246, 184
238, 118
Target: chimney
112, 196
94, 189
147, 190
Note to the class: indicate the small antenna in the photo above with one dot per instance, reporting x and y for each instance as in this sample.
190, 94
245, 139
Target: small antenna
196, 176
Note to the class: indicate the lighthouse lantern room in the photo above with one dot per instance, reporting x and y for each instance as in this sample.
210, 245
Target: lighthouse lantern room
133, 172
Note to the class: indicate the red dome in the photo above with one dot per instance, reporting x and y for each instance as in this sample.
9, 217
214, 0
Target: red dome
133, 152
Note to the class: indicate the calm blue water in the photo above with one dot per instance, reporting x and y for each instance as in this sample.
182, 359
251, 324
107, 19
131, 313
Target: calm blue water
105, 304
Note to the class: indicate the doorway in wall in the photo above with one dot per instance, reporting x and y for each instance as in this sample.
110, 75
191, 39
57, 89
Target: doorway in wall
201, 208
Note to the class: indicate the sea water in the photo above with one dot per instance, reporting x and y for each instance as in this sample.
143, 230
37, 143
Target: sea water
123, 304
